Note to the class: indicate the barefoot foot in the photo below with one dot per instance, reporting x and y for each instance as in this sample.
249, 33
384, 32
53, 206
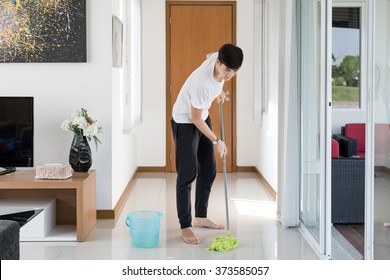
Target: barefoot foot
205, 222
189, 236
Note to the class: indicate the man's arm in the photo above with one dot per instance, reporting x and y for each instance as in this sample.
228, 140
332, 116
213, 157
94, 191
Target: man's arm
196, 115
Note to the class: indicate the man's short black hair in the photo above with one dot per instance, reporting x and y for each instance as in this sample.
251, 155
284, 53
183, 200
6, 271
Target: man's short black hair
231, 56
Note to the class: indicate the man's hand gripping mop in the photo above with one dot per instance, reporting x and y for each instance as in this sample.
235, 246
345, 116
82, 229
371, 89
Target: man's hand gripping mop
228, 242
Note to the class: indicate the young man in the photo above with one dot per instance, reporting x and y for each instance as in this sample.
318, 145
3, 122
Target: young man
194, 138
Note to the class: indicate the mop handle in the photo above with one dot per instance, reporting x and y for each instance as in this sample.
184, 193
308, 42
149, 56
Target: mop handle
224, 166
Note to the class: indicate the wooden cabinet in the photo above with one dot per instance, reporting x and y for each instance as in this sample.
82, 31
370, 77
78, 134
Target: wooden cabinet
75, 197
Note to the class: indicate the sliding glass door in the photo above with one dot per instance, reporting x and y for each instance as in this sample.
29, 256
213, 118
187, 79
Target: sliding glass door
349, 113
369, 103
313, 91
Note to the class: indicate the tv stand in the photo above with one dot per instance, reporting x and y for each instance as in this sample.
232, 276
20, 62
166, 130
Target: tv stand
75, 198
6, 170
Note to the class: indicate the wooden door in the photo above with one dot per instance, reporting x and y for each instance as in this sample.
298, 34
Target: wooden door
195, 29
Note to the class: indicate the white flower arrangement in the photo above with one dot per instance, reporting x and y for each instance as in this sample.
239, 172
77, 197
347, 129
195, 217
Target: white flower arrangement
80, 123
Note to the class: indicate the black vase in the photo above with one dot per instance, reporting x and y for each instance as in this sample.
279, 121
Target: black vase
80, 157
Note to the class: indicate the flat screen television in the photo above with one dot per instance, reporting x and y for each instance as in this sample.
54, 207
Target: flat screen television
16, 131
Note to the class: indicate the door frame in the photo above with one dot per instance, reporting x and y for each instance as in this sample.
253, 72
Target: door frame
233, 95
369, 201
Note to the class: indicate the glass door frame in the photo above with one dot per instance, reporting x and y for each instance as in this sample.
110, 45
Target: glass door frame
327, 226
323, 243
370, 135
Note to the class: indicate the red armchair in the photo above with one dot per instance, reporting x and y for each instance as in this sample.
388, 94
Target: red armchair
348, 171
348, 176
357, 131
335, 149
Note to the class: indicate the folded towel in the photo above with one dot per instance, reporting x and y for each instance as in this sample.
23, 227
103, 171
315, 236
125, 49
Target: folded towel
53, 171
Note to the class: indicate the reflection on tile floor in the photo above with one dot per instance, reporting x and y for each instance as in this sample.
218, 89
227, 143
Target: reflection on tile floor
382, 215
252, 221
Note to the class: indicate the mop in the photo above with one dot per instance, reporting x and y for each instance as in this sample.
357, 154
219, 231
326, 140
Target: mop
228, 242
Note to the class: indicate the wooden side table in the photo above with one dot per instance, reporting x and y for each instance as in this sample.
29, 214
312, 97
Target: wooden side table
75, 197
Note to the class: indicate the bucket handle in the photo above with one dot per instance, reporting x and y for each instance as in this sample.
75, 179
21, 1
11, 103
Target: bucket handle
127, 221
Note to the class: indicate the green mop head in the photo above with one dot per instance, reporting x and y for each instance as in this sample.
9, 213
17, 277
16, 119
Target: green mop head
223, 243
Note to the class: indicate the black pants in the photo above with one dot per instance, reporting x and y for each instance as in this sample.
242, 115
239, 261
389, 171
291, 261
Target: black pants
195, 159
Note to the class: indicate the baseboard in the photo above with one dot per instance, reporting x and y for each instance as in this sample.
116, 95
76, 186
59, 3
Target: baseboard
246, 169
151, 169
253, 169
267, 185
105, 214
114, 213
164, 169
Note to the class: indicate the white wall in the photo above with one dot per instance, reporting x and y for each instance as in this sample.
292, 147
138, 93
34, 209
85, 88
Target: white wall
247, 141
124, 158
267, 157
151, 140
59, 89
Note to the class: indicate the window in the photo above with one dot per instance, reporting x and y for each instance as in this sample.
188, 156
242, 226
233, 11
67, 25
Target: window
346, 57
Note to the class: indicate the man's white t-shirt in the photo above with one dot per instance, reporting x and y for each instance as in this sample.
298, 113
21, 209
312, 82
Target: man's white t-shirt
199, 90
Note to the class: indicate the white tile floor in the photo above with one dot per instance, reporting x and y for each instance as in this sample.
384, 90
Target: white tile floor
382, 216
252, 221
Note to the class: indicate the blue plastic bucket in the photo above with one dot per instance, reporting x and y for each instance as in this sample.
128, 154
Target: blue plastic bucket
144, 228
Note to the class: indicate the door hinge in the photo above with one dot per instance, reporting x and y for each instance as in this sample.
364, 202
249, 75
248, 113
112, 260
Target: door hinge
170, 157
170, 20
170, 88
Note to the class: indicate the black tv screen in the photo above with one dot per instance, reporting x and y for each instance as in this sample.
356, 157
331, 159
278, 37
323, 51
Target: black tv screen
16, 131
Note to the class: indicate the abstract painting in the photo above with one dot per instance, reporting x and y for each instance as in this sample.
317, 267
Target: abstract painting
42, 31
